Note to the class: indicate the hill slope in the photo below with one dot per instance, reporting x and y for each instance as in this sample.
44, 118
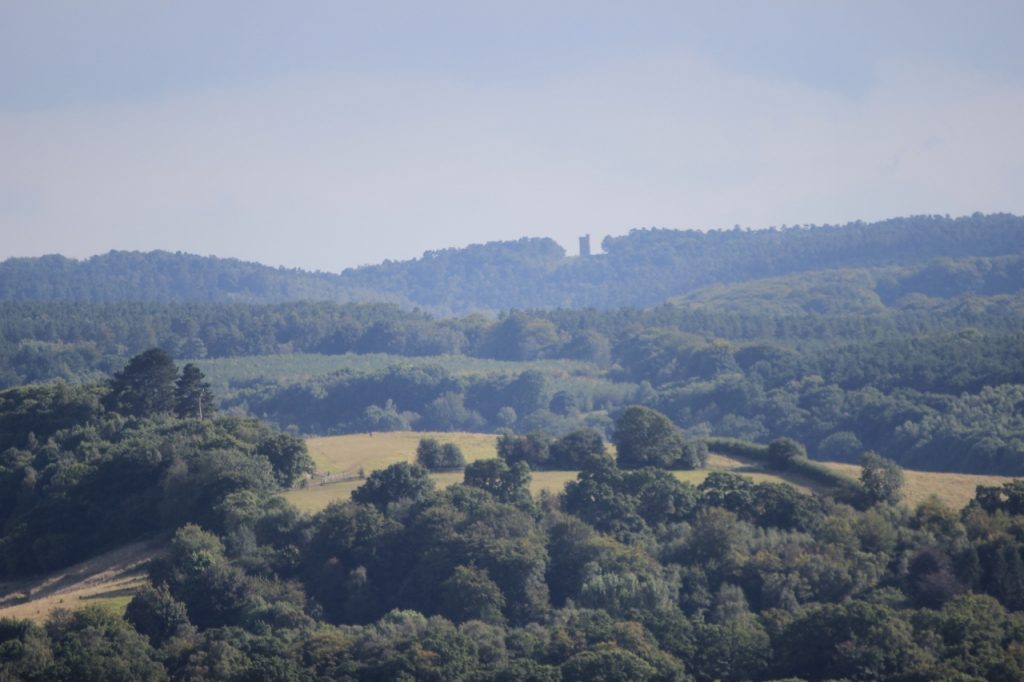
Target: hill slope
642, 268
341, 454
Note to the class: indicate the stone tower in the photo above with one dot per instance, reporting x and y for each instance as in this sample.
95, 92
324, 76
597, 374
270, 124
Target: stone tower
585, 245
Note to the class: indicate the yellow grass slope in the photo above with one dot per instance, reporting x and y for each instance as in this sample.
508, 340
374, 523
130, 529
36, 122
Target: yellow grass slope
956, 490
108, 580
339, 454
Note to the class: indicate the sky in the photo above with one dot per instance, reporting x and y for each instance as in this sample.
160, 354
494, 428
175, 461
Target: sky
331, 134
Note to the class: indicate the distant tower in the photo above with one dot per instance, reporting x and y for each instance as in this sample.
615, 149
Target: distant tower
585, 245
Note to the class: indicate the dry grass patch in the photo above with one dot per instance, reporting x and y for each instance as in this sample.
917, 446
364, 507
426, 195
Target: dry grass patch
340, 454
109, 580
361, 451
955, 490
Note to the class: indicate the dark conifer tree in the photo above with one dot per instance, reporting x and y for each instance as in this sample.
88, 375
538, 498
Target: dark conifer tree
145, 386
192, 394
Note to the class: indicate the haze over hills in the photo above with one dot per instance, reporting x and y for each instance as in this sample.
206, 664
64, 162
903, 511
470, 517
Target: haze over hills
902, 337
682, 458
640, 269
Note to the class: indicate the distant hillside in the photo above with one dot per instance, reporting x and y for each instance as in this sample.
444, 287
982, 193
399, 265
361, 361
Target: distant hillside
163, 277
845, 291
640, 269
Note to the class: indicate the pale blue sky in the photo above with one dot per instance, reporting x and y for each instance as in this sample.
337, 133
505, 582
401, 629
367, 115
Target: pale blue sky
330, 134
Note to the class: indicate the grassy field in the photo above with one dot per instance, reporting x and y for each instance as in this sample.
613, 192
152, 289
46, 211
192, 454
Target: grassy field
337, 454
956, 490
108, 580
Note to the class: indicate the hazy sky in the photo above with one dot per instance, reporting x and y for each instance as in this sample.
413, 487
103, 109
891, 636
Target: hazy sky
330, 134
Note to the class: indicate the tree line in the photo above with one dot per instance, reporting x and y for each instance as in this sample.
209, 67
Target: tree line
628, 574
89, 467
919, 363
640, 269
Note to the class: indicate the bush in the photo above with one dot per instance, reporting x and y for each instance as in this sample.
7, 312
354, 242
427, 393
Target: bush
434, 456
646, 437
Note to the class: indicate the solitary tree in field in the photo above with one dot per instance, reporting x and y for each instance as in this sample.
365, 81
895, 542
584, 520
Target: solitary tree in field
782, 451
882, 478
428, 453
434, 455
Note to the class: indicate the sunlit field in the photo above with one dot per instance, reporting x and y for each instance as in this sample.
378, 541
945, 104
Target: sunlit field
351, 453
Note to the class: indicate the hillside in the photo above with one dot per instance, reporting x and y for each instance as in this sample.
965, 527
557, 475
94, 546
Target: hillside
109, 579
642, 268
422, 579
366, 454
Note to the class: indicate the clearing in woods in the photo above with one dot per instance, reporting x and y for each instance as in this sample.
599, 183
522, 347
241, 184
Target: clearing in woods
111, 579
108, 580
956, 490
349, 454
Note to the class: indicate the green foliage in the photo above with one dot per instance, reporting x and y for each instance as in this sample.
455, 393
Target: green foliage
508, 484
287, 455
25, 650
572, 451
640, 269
533, 449
470, 594
645, 437
855, 640
146, 386
630, 573
400, 481
161, 471
787, 454
93, 645
192, 394
919, 362
432, 455
783, 451
428, 453
153, 612
882, 479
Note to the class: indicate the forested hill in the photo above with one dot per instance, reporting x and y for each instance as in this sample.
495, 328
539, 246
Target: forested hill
641, 269
164, 277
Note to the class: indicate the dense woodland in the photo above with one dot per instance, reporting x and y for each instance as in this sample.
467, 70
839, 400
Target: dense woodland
640, 269
922, 363
146, 397
629, 574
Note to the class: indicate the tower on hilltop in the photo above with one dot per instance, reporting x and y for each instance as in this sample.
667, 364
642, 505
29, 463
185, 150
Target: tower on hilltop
585, 245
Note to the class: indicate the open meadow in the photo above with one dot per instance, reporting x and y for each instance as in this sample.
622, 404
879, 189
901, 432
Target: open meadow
955, 490
109, 580
336, 455
351, 453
